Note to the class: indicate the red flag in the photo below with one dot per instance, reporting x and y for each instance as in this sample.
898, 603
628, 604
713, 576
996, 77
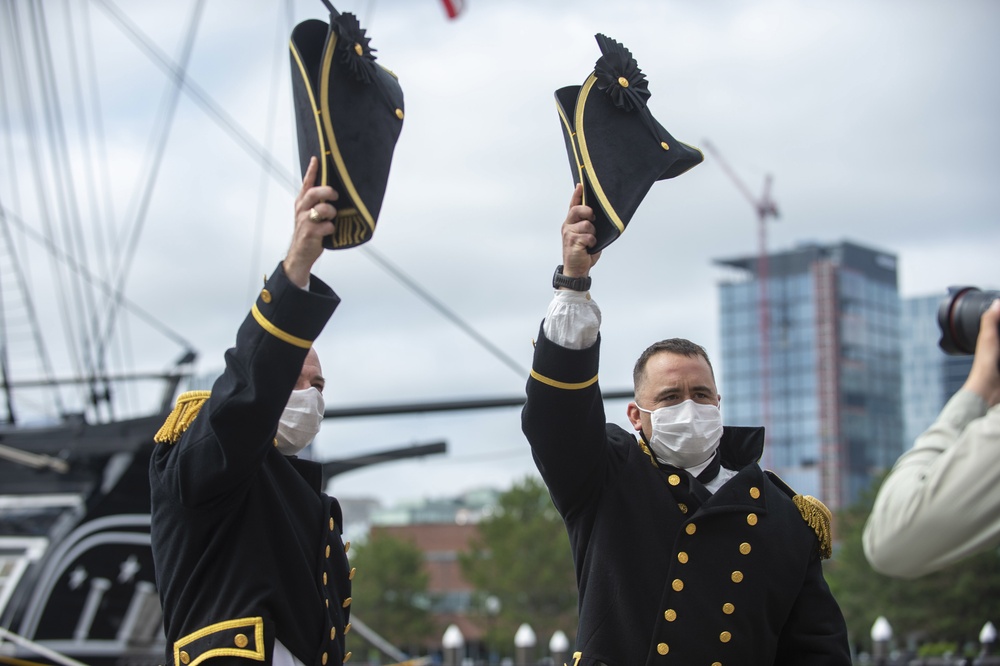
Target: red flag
453, 7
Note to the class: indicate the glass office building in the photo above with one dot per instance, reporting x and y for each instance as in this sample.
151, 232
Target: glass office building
819, 367
930, 377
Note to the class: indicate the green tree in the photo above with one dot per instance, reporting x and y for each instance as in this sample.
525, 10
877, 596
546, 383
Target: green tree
522, 556
391, 591
948, 606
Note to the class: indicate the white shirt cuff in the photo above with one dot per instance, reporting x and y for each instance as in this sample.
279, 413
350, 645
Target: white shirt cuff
573, 319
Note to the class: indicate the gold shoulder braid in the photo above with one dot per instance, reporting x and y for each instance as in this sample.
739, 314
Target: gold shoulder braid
187, 407
819, 518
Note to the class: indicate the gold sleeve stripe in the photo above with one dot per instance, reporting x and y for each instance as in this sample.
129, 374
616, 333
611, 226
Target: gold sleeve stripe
564, 385
277, 332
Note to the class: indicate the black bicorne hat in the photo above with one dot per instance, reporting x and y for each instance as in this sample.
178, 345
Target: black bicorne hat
348, 113
615, 146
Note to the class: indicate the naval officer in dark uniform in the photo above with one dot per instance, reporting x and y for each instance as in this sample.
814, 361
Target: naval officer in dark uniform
250, 561
686, 552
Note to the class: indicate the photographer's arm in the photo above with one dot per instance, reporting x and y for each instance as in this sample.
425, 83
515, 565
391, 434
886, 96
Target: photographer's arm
939, 503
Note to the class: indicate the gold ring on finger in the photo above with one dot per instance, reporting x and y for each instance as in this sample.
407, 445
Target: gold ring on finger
314, 214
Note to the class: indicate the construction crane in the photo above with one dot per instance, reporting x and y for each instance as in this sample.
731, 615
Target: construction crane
765, 208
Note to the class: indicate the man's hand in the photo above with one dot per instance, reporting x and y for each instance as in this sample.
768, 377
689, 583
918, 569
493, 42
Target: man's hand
313, 220
984, 378
577, 235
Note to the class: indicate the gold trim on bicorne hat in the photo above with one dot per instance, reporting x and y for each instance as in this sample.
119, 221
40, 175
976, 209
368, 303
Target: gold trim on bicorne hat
348, 112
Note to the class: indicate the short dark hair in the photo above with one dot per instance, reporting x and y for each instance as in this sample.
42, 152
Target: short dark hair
678, 346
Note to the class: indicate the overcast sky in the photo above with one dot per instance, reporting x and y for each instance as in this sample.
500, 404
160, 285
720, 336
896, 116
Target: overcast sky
877, 120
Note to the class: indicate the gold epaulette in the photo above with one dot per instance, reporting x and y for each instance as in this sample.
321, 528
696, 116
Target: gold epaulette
187, 407
819, 518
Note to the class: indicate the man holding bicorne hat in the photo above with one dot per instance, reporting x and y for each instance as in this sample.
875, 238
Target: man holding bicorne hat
251, 564
686, 552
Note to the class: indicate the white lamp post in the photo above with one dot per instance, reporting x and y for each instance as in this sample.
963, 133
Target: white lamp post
559, 647
881, 635
452, 643
987, 637
524, 645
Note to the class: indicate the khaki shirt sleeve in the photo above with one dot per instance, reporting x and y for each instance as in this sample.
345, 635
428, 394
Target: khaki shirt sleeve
940, 503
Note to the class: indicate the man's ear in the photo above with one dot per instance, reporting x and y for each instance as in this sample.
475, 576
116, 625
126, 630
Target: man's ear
634, 415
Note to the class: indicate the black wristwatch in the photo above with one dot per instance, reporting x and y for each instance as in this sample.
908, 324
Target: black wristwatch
574, 283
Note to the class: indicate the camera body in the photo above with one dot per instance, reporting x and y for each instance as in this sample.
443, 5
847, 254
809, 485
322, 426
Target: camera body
958, 318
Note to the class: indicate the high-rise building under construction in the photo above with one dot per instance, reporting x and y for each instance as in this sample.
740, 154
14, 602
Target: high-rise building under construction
819, 366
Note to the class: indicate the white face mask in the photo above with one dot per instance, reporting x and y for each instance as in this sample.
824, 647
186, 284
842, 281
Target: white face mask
686, 434
300, 421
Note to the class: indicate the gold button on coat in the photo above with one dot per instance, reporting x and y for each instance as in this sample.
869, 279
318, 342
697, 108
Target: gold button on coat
663, 144
744, 548
347, 656
725, 637
265, 296
333, 633
670, 615
399, 113
328, 550
716, 663
331, 523
752, 519
347, 602
682, 557
683, 507
185, 657
728, 609
674, 480
324, 578
347, 628
691, 528
678, 585
351, 575
324, 659
754, 492
737, 576
663, 648
347, 546
240, 640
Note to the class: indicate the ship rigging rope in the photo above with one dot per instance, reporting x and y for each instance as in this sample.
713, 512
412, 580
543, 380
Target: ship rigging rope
280, 173
109, 291
19, 68
164, 122
68, 212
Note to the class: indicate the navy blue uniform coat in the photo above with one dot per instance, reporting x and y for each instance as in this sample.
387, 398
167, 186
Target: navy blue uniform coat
664, 578
247, 548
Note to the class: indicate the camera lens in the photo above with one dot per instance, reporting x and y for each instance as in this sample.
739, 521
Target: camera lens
958, 318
